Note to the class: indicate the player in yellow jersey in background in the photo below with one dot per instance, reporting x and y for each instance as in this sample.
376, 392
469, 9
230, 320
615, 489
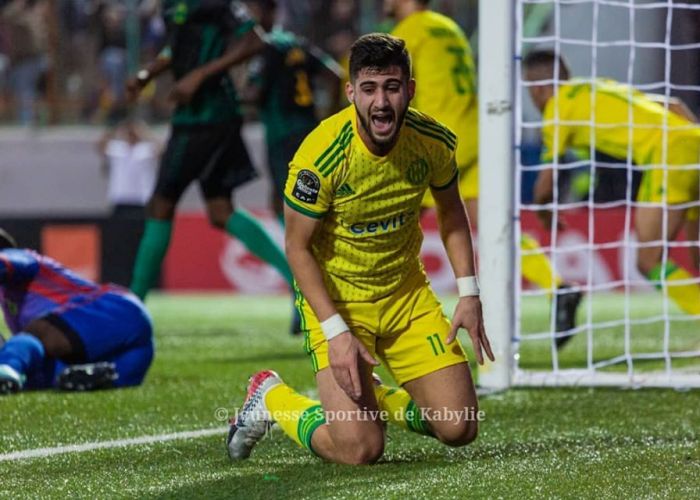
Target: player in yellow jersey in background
353, 200
567, 114
443, 66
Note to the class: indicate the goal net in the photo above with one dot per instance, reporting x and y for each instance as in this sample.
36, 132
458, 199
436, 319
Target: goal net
612, 208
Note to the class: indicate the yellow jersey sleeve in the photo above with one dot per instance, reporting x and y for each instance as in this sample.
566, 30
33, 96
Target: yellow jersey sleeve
307, 191
445, 175
310, 186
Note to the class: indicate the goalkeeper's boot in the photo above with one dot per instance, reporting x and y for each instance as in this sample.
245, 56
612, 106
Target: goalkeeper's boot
253, 420
11, 380
568, 301
88, 377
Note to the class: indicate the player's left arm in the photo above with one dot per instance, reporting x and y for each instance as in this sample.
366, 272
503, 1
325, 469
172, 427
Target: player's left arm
456, 237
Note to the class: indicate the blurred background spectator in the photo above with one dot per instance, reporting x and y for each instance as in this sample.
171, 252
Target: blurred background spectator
130, 154
24, 23
65, 61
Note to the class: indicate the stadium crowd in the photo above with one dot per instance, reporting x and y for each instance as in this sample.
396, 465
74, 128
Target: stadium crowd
66, 61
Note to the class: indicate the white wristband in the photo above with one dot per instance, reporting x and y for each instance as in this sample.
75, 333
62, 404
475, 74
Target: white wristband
468, 286
334, 326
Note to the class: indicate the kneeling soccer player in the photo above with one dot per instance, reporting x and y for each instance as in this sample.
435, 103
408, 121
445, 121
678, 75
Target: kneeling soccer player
67, 332
353, 198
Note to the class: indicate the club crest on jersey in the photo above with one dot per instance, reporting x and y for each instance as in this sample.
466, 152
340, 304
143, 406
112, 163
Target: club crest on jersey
417, 172
307, 187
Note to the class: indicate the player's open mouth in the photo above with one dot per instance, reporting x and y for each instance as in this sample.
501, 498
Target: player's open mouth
382, 123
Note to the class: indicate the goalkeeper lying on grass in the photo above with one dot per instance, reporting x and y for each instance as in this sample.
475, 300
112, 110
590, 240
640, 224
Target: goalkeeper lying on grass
67, 332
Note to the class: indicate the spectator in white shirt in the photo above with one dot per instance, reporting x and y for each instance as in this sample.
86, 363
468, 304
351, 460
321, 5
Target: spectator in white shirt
130, 157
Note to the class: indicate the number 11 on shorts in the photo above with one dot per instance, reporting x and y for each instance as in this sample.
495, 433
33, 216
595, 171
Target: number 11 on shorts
436, 344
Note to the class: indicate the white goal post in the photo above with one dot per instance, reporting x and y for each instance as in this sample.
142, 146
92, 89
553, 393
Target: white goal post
496, 238
648, 351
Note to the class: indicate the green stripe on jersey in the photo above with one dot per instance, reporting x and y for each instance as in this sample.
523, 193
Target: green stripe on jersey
301, 209
338, 159
443, 139
430, 124
330, 148
299, 304
429, 130
344, 140
432, 128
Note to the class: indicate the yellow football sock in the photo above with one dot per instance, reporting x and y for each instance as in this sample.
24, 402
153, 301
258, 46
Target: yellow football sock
536, 267
297, 415
400, 409
687, 296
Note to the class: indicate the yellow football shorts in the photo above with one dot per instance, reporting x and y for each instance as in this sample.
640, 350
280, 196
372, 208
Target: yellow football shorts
682, 182
468, 185
406, 331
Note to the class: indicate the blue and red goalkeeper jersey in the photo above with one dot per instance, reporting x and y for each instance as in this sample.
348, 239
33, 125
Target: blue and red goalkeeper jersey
33, 286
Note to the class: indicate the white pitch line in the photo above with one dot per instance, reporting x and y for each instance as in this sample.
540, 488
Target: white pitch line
119, 443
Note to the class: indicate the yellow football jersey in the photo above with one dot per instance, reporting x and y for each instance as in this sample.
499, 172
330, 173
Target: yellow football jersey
443, 67
620, 119
369, 239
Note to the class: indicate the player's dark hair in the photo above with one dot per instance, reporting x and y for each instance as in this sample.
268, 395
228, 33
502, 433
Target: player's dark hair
6, 241
378, 51
545, 59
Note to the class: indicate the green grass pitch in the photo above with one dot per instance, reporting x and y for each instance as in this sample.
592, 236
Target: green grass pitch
533, 443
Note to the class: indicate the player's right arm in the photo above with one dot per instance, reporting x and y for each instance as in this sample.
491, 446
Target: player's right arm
17, 266
344, 350
543, 193
308, 196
